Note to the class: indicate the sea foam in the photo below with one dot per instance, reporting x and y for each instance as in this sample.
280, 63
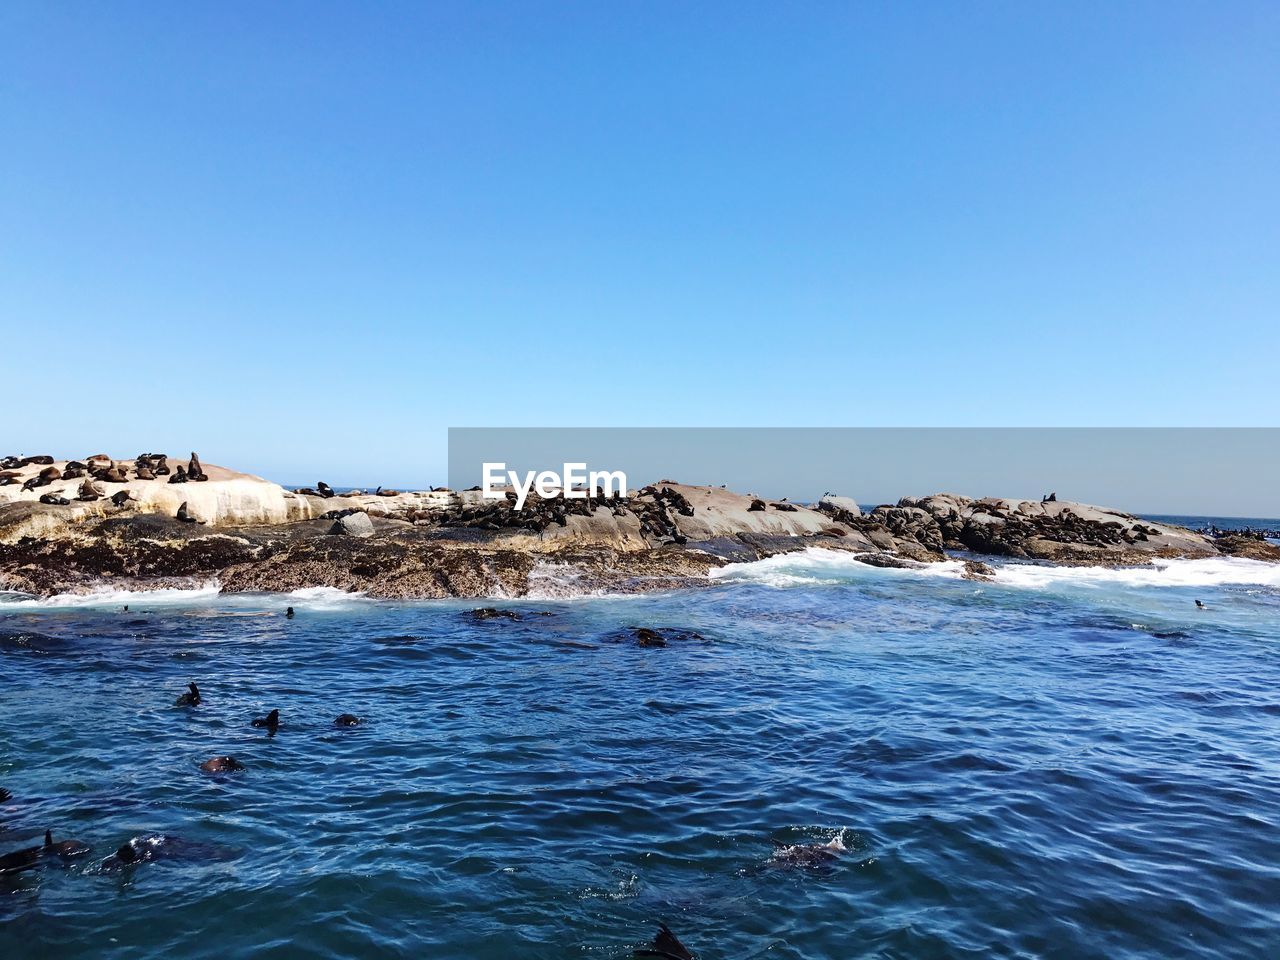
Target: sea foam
817, 566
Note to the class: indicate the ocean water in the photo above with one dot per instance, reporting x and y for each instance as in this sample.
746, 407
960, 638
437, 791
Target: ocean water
1062, 763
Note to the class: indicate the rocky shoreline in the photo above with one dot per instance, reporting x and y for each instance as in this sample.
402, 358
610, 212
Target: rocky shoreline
76, 526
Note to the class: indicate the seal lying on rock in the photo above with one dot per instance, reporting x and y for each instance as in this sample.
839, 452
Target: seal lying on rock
89, 491
179, 475
54, 500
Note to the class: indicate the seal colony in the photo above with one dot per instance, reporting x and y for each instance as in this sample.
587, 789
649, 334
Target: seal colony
153, 521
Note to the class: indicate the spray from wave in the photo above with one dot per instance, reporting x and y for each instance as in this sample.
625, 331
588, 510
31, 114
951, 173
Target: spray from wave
815, 566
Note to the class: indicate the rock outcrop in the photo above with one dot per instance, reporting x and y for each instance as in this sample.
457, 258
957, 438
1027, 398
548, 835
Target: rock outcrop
249, 534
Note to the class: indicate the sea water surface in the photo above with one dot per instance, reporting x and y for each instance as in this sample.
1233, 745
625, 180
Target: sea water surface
1062, 763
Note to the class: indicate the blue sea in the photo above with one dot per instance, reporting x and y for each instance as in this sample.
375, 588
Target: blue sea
1061, 763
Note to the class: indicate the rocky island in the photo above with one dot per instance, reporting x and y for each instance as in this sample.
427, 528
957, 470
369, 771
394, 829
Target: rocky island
155, 521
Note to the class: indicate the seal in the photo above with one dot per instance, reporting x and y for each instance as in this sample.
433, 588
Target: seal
142, 470
23, 859
179, 475
222, 765
194, 470
89, 491
288, 613
667, 945
324, 490
63, 848
185, 515
347, 720
271, 721
121, 497
189, 699
115, 474
1200, 605
806, 856
74, 470
54, 499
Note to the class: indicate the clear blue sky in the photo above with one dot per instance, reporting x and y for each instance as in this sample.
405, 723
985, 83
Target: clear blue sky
290, 235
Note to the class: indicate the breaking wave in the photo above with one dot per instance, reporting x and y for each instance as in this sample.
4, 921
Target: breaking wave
816, 566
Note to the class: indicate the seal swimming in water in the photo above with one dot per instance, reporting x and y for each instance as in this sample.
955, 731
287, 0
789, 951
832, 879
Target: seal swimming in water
222, 765
271, 721
5, 795
806, 856
666, 945
63, 848
189, 699
347, 720
288, 613
1200, 605
23, 859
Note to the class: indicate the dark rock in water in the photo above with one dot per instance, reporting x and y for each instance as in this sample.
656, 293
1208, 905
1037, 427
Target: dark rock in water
493, 613
977, 570
650, 637
353, 525
667, 945
222, 765
347, 720
645, 637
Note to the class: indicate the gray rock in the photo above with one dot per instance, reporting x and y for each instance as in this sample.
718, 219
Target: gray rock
830, 503
353, 525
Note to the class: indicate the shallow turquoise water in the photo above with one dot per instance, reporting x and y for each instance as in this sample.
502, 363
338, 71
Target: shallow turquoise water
1065, 765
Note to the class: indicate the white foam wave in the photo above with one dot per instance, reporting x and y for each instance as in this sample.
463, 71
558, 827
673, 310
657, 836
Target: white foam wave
816, 566
1205, 572
110, 597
